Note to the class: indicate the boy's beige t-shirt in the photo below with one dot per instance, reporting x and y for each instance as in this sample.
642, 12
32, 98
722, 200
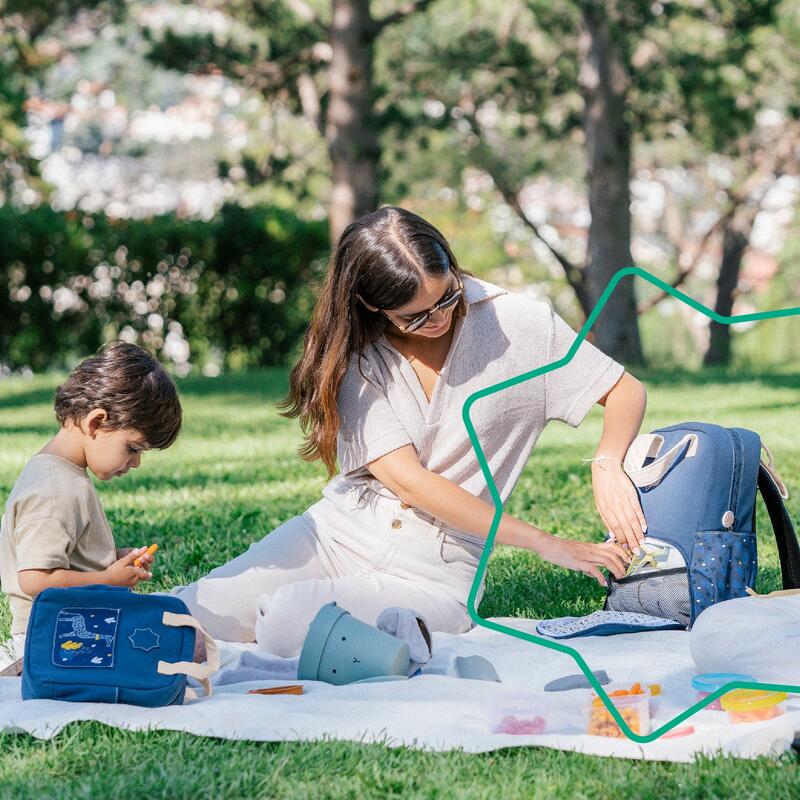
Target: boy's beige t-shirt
53, 520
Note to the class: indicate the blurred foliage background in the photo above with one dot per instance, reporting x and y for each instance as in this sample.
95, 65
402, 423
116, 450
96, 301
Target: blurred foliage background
173, 173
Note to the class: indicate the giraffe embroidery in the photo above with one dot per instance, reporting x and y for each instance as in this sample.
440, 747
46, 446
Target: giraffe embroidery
79, 630
85, 637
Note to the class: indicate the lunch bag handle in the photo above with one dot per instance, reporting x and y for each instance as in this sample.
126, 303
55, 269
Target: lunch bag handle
201, 672
648, 445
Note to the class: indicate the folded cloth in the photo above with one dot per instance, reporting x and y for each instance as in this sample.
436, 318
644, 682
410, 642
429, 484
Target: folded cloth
254, 667
408, 625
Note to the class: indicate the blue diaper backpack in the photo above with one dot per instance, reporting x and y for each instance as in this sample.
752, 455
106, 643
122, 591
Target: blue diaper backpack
697, 486
106, 644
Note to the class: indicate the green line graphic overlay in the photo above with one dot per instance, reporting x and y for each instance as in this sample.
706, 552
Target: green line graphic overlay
487, 550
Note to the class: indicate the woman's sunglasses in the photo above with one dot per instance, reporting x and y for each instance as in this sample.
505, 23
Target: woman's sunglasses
448, 301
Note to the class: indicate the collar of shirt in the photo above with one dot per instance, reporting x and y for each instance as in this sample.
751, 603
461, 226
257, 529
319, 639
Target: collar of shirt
476, 290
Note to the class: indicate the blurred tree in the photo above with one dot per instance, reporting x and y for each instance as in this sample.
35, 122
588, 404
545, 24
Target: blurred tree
13, 155
603, 76
767, 153
735, 186
736, 178
28, 45
321, 67
234, 292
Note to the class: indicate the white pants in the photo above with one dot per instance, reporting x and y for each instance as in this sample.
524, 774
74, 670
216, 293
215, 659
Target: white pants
365, 556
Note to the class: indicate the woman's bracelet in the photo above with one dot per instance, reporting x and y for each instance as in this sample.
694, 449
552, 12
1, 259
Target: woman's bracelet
599, 459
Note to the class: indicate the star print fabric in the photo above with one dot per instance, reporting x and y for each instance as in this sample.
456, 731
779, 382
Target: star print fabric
724, 563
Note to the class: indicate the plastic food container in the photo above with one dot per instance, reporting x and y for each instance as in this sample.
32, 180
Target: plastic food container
633, 703
521, 725
711, 681
753, 705
655, 693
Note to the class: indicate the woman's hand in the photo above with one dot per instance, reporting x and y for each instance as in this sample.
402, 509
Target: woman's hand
585, 557
618, 503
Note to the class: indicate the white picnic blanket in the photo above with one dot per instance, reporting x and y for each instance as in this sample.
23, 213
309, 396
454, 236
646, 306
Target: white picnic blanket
440, 711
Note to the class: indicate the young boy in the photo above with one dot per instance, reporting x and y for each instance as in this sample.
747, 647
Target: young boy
113, 407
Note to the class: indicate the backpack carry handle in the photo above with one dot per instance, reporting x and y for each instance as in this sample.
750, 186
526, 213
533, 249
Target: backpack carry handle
201, 672
785, 536
769, 466
648, 445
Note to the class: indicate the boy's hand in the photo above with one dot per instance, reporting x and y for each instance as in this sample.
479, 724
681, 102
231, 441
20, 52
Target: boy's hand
145, 559
123, 573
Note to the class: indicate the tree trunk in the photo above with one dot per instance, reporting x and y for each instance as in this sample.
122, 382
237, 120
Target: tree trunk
604, 83
735, 240
350, 132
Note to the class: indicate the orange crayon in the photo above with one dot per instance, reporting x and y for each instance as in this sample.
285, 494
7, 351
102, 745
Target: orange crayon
150, 551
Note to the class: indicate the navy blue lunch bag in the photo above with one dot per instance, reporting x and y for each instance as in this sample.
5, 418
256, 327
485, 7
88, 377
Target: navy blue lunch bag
106, 644
697, 485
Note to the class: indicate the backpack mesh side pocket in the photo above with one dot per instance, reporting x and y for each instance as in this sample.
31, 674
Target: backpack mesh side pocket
659, 593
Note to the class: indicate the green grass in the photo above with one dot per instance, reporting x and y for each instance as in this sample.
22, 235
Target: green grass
233, 476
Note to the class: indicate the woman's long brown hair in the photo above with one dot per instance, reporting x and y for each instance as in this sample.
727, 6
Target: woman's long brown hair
382, 257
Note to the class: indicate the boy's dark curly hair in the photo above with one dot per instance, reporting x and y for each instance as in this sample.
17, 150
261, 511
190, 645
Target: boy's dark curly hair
131, 386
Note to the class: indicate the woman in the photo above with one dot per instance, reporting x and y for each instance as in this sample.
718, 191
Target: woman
399, 338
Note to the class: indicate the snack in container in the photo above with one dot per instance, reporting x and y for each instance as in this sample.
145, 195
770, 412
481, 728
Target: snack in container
709, 682
522, 726
633, 704
753, 705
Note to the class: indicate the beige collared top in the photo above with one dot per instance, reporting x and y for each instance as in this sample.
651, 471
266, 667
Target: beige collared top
53, 520
501, 336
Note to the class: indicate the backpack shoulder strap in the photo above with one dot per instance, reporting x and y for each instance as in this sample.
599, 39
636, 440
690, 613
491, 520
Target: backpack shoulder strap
785, 536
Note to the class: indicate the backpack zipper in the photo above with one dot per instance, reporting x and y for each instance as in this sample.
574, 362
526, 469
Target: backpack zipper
644, 576
738, 457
